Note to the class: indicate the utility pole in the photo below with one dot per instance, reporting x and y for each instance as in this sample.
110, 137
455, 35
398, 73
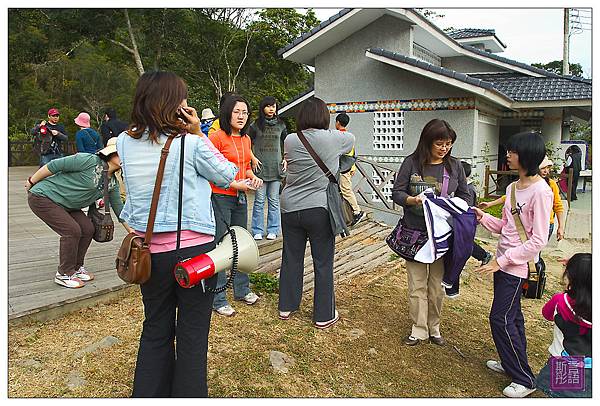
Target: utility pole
566, 43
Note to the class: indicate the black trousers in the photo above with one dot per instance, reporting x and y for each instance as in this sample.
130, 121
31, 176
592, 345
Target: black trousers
508, 328
297, 227
172, 312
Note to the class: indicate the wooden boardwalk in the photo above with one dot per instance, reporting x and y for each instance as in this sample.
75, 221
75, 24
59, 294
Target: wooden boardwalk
33, 260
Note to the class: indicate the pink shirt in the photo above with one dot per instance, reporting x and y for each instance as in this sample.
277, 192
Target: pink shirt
163, 242
535, 203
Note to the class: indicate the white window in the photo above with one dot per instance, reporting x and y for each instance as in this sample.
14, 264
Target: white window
385, 190
388, 130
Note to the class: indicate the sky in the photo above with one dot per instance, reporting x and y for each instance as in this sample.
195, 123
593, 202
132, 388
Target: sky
530, 35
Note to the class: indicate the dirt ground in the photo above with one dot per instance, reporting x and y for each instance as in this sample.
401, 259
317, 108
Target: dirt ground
361, 356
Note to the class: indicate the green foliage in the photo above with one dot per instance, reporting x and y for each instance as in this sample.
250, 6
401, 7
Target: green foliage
59, 58
264, 282
575, 69
495, 211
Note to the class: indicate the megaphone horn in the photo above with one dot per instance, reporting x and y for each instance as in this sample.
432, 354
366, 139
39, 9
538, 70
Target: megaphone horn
192, 271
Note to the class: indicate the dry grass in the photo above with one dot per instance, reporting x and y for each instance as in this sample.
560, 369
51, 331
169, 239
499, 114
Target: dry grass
330, 363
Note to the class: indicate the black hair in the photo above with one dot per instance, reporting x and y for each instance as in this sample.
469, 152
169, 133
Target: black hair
226, 111
313, 114
434, 130
578, 275
111, 113
223, 98
467, 167
266, 101
343, 119
531, 149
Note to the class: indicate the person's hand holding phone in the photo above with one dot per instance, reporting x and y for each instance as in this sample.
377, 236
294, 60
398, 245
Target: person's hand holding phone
190, 116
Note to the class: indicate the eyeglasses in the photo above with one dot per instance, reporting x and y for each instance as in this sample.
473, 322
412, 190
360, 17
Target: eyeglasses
447, 145
239, 113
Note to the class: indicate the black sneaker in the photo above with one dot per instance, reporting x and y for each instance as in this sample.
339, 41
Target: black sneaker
358, 217
487, 259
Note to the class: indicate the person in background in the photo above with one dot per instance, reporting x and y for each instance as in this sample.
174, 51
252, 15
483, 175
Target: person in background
305, 214
56, 194
87, 139
48, 137
557, 206
533, 198
573, 160
206, 120
571, 312
172, 356
230, 202
341, 122
478, 253
427, 167
268, 133
112, 126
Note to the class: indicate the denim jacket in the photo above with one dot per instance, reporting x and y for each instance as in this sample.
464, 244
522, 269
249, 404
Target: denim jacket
203, 164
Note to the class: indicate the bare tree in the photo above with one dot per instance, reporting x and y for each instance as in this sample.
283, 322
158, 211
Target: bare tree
133, 50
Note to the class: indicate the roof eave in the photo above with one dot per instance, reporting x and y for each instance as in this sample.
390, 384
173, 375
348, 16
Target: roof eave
492, 95
552, 103
294, 103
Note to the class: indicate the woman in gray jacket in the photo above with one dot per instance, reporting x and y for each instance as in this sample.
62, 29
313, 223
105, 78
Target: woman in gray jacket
305, 215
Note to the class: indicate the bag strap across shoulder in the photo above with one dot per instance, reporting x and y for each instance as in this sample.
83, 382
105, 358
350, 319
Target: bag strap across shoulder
518, 223
105, 180
316, 157
159, 177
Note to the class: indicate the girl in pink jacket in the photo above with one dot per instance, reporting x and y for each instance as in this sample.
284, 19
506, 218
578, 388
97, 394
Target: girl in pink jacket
533, 205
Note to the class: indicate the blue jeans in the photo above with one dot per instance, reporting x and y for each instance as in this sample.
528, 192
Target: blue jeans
236, 214
44, 159
270, 190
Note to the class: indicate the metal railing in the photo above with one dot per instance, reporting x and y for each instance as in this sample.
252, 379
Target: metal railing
20, 153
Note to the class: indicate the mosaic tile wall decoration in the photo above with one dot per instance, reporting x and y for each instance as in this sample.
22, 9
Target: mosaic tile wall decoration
388, 130
459, 103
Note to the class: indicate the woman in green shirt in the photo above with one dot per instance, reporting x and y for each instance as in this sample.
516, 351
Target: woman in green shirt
56, 194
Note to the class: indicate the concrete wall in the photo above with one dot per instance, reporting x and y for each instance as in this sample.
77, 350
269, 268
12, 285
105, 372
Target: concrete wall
468, 65
488, 130
462, 121
552, 125
343, 73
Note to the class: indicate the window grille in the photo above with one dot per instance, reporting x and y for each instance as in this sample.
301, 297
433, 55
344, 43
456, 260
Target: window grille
388, 130
426, 55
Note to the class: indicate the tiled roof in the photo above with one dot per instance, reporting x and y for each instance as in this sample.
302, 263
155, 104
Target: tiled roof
313, 31
471, 33
467, 47
433, 68
526, 88
515, 86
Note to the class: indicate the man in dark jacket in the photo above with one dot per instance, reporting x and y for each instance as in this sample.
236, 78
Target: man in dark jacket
573, 160
48, 137
112, 126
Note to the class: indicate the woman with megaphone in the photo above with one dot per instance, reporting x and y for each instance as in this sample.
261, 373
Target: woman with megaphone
160, 121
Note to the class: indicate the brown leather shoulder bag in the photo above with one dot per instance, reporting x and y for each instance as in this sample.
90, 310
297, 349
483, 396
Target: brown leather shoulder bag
133, 259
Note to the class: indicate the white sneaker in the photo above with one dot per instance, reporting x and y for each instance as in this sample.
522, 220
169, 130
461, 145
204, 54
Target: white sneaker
68, 281
84, 274
325, 324
226, 310
271, 236
258, 237
495, 366
250, 298
515, 390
